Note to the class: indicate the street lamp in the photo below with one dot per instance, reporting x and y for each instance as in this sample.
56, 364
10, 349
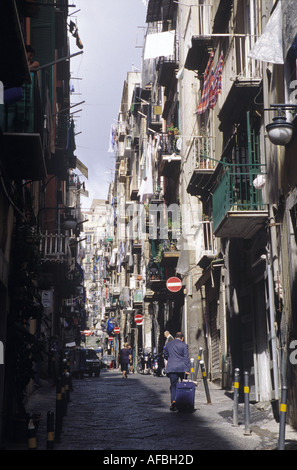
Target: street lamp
280, 131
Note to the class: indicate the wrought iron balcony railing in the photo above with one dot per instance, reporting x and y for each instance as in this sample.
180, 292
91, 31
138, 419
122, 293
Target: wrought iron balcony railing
202, 152
54, 247
25, 115
236, 193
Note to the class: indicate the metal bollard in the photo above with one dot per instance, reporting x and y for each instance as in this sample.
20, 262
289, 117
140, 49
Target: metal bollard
67, 387
192, 368
59, 411
199, 357
247, 430
236, 397
205, 382
50, 430
282, 419
32, 444
63, 391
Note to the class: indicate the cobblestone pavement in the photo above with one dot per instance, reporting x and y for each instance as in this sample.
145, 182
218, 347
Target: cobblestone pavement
114, 414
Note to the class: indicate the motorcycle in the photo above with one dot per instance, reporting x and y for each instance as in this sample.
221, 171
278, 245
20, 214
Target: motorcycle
159, 365
144, 363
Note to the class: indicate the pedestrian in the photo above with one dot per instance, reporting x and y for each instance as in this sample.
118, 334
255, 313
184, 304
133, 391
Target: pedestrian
130, 368
177, 354
168, 336
124, 358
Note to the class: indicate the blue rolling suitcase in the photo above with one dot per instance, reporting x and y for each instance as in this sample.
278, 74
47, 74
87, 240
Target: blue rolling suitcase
185, 396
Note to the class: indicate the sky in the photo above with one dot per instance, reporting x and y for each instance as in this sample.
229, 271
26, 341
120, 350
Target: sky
112, 34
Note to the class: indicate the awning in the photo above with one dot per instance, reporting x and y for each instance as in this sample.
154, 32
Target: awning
14, 71
198, 53
238, 100
22, 156
82, 168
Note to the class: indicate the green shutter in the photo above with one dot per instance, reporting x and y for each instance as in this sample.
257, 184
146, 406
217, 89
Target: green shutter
43, 35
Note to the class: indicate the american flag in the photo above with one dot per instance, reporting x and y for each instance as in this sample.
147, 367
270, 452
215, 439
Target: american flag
212, 85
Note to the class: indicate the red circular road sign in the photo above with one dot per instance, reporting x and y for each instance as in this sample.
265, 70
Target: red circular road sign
86, 332
138, 319
110, 338
116, 329
174, 284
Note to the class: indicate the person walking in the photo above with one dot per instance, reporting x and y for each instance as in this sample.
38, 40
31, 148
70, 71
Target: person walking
124, 358
168, 336
177, 354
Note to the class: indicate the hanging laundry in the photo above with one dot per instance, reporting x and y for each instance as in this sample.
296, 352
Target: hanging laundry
212, 86
206, 92
216, 82
146, 189
269, 46
159, 44
74, 31
112, 140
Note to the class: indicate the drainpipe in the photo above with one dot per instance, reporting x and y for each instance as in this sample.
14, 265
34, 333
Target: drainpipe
186, 317
272, 329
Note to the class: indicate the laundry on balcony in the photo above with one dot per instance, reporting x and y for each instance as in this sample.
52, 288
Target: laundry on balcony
212, 85
269, 47
159, 44
146, 189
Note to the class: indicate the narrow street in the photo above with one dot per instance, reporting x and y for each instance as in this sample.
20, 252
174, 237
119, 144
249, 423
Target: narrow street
113, 415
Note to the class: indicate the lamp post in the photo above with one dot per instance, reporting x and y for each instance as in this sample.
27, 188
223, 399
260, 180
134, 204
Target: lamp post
280, 131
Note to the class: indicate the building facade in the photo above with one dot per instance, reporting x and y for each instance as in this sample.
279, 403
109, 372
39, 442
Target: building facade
42, 301
192, 145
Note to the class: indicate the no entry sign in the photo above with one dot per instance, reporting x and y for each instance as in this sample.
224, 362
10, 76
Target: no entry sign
138, 319
116, 329
174, 284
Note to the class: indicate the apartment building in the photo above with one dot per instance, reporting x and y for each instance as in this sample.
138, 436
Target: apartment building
41, 278
195, 143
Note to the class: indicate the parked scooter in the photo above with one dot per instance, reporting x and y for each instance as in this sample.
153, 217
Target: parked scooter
159, 365
144, 363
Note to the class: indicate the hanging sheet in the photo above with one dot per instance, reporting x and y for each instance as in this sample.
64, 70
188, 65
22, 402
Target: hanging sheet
269, 47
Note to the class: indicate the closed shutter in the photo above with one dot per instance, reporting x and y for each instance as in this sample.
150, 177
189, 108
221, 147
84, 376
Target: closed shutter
43, 41
215, 368
43, 35
249, 360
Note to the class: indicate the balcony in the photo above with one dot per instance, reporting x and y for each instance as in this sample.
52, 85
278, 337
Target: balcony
170, 254
122, 131
238, 208
206, 243
21, 123
242, 77
116, 291
167, 66
54, 248
201, 41
122, 172
12, 49
155, 276
169, 161
201, 156
137, 298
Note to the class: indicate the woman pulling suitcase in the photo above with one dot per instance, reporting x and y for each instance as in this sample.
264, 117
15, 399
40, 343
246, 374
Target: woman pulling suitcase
177, 354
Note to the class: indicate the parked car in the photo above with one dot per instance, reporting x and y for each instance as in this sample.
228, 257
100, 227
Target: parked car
85, 361
108, 361
93, 363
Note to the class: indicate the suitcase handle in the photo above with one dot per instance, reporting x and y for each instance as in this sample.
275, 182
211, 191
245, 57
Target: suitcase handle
188, 380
